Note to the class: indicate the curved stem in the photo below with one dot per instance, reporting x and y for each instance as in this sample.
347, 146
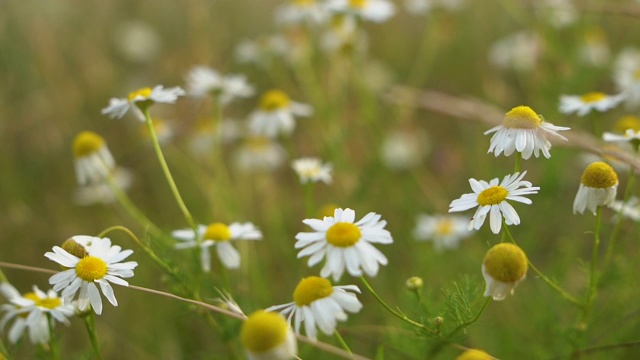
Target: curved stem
341, 341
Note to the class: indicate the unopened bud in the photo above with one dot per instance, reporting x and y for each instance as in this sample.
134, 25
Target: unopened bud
73, 248
414, 283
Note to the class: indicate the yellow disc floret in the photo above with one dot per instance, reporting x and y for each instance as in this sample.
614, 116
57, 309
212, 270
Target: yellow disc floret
274, 100
87, 143
357, 4
91, 268
522, 117
492, 196
263, 331
217, 232
627, 122
444, 227
506, 262
599, 175
144, 93
343, 234
310, 289
474, 354
593, 97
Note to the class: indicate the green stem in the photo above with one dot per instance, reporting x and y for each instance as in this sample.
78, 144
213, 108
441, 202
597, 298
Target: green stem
342, 342
89, 322
518, 161
544, 278
3, 278
53, 344
593, 275
619, 217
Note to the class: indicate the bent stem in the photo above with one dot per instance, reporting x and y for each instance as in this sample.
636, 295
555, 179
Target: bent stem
89, 322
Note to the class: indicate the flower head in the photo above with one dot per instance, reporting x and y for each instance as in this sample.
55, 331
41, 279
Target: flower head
583, 104
93, 160
474, 354
276, 114
345, 244
626, 129
629, 209
504, 266
267, 336
101, 265
140, 100
318, 303
203, 81
218, 235
598, 187
102, 193
307, 12
259, 153
491, 198
445, 231
524, 131
371, 10
312, 170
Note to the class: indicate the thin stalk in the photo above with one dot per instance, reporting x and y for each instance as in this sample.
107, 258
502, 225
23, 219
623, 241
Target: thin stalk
3, 278
619, 217
89, 322
53, 344
593, 273
518, 161
341, 341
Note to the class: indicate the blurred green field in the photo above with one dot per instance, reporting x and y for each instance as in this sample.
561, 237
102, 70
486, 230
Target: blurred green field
61, 62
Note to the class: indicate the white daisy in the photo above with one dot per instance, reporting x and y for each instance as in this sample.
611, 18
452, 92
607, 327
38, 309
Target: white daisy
319, 304
276, 114
203, 81
101, 265
504, 266
372, 10
404, 149
345, 244
626, 74
630, 209
312, 170
421, 7
491, 198
307, 12
102, 193
445, 231
629, 135
267, 336
257, 153
140, 100
583, 104
524, 131
218, 235
30, 311
93, 160
519, 51
598, 187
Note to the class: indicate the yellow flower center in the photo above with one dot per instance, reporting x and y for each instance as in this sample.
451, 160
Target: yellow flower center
274, 100
310, 289
343, 234
492, 196
636, 74
217, 232
263, 331
522, 117
49, 303
74, 248
593, 97
506, 262
627, 122
474, 354
357, 4
444, 227
91, 268
144, 93
87, 143
303, 2
599, 175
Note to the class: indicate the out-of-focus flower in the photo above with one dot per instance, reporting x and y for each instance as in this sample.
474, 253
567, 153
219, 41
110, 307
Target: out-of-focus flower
445, 231
207, 135
301, 12
342, 37
263, 50
312, 170
93, 160
504, 266
203, 81
474, 354
163, 129
558, 13
140, 100
626, 75
102, 193
404, 148
421, 7
629, 209
583, 104
594, 51
267, 336
371, 10
519, 52
598, 187
258, 153
137, 41
627, 129
276, 114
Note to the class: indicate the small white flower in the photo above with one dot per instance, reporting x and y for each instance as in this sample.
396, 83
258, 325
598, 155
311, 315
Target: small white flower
312, 170
276, 114
267, 336
598, 187
101, 265
629, 135
203, 81
558, 13
345, 244
491, 198
519, 52
144, 98
504, 266
404, 149
319, 304
421, 7
626, 74
630, 209
308, 12
218, 235
93, 160
583, 104
445, 231
258, 153
102, 193
372, 10
137, 41
595, 51
524, 131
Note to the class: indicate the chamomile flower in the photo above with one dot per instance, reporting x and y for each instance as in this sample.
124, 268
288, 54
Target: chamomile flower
258, 153
445, 231
296, 12
626, 74
312, 170
101, 265
404, 148
203, 81
141, 100
93, 160
319, 304
102, 193
267, 336
422, 7
629, 135
345, 244
584, 104
595, 51
598, 187
626, 129
519, 51
276, 114
504, 266
371, 10
30, 312
524, 131
629, 209
491, 198
218, 235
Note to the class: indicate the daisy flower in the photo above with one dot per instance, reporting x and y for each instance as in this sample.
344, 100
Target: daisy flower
345, 244
307, 12
259, 153
445, 231
218, 235
267, 336
276, 114
628, 126
519, 51
504, 266
524, 131
102, 193
203, 81
491, 198
626, 74
319, 304
93, 160
598, 187
31, 310
101, 265
583, 104
140, 100
312, 170
372, 10
404, 149
630, 209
